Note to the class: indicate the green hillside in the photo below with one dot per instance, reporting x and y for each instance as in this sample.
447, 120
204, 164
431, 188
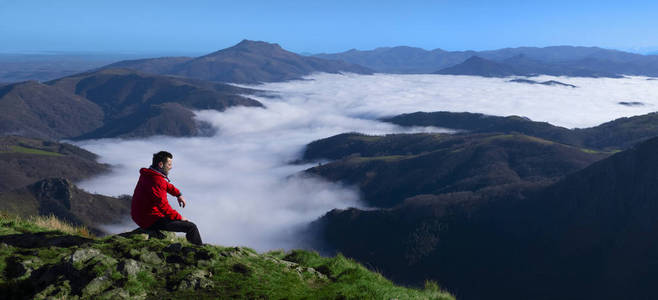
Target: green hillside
37, 261
388, 169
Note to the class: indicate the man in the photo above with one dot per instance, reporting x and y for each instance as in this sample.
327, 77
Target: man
150, 208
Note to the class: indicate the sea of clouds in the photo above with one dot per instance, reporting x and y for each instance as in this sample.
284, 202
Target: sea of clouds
240, 184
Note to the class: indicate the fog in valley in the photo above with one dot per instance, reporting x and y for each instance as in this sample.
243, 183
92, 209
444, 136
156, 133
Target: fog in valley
241, 187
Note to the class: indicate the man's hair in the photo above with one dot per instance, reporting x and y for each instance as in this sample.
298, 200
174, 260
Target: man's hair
161, 156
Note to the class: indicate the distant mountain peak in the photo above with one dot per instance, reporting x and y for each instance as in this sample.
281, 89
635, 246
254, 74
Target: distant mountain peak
246, 62
479, 66
258, 47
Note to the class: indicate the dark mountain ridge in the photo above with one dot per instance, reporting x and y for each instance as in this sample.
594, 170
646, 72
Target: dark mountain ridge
522, 66
618, 134
114, 103
139, 104
477, 66
247, 62
590, 233
388, 169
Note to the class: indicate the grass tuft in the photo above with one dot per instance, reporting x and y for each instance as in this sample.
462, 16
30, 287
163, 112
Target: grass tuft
41, 223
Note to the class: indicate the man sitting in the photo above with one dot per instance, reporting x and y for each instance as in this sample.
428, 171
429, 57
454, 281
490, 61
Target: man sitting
150, 208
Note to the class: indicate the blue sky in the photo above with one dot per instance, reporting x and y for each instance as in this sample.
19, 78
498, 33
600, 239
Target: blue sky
322, 26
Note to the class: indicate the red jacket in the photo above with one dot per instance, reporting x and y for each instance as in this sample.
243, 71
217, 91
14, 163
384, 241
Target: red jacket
150, 198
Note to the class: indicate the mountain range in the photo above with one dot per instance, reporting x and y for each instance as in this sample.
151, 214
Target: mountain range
506, 209
556, 60
522, 66
247, 62
113, 103
588, 234
615, 135
388, 169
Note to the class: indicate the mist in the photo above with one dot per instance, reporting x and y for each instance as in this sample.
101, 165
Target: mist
241, 187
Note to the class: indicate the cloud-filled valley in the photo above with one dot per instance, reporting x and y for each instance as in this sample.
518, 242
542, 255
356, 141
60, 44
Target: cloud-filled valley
240, 184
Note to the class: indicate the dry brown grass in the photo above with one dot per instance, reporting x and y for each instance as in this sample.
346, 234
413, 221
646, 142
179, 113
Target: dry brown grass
48, 222
54, 223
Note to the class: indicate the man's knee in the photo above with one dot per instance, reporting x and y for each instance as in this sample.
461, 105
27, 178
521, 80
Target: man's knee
190, 225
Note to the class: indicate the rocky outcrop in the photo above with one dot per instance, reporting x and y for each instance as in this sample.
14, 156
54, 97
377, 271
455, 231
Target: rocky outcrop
61, 198
148, 264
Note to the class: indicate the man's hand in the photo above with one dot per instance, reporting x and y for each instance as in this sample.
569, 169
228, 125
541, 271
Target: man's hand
181, 201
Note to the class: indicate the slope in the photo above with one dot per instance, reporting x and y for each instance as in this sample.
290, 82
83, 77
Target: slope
591, 234
38, 262
139, 104
388, 169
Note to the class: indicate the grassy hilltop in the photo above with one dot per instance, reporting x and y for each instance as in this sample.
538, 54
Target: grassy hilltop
42, 257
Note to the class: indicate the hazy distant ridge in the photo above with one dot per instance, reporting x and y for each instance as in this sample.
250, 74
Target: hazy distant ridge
556, 60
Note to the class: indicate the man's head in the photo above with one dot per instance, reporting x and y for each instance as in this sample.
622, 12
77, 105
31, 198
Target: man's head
162, 161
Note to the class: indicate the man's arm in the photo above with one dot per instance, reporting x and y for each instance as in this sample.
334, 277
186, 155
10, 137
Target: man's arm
172, 190
166, 209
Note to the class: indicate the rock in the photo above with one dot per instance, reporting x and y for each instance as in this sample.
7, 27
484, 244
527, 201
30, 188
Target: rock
203, 263
173, 248
203, 255
56, 291
129, 267
324, 269
150, 257
15, 267
316, 273
50, 273
105, 260
144, 234
195, 280
237, 252
118, 294
83, 255
241, 268
55, 190
188, 250
96, 286
134, 253
169, 236
175, 259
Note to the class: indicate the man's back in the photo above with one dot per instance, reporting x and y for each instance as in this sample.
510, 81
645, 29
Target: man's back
149, 202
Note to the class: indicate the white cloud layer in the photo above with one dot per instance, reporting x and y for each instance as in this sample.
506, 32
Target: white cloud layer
238, 183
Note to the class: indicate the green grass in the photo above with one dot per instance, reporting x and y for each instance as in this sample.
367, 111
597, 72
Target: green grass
225, 272
361, 159
366, 138
21, 149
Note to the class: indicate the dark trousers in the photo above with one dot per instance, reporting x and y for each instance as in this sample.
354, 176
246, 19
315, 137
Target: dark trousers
191, 232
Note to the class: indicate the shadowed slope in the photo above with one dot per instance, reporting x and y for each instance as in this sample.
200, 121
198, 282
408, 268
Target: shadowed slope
591, 234
388, 169
37, 110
